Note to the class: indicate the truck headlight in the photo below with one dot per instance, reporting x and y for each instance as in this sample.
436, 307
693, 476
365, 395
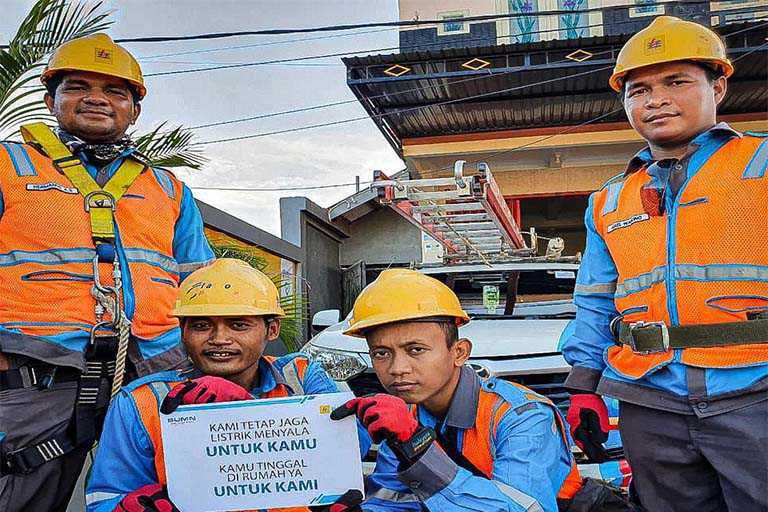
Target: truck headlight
338, 365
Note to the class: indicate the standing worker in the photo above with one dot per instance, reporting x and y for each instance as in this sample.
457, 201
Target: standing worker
229, 311
672, 293
93, 244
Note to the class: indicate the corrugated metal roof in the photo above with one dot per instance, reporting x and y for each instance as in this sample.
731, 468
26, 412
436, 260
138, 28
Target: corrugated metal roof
526, 86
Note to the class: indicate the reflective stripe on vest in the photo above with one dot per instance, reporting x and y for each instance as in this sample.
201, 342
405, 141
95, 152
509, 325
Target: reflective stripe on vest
46, 251
718, 271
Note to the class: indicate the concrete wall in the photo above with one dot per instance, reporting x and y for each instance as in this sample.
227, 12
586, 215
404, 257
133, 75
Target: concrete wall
306, 224
429, 39
433, 9
381, 237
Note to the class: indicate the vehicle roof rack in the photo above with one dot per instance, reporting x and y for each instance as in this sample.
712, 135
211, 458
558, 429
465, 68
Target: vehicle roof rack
467, 215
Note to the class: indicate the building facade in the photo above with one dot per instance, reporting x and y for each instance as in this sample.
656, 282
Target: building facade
527, 93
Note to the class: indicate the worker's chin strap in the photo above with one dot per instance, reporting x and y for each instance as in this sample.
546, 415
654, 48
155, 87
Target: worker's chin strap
99, 153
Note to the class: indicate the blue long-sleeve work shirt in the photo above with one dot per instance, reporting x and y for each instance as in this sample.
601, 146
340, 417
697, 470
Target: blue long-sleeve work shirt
531, 459
676, 386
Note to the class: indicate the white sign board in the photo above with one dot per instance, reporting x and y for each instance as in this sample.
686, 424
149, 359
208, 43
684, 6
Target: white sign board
269, 453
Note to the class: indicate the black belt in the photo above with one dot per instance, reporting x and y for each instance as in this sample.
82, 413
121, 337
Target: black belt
657, 337
36, 375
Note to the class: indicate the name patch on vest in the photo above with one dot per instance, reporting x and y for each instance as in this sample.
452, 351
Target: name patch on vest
42, 187
628, 222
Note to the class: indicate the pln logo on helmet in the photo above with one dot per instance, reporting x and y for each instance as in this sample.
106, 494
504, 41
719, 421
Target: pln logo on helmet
654, 45
103, 55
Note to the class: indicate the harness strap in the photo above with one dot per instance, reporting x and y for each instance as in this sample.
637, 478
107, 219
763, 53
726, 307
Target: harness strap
26, 460
30, 376
100, 203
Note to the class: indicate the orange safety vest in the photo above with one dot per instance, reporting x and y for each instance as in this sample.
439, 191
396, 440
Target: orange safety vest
718, 270
46, 249
149, 397
491, 408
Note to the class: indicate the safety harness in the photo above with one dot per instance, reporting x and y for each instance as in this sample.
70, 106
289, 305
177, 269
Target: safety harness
105, 355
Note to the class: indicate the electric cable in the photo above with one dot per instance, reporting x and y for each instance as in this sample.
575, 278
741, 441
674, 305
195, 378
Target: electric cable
410, 23
340, 185
259, 45
409, 48
490, 73
428, 173
401, 111
282, 189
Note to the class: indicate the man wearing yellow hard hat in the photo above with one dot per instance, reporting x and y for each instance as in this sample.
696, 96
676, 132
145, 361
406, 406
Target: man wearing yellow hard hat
229, 312
93, 245
465, 443
672, 293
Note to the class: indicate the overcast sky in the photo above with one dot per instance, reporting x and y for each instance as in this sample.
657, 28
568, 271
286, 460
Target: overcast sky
313, 157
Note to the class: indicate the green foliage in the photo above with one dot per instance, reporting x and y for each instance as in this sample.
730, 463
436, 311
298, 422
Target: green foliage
48, 24
294, 303
170, 148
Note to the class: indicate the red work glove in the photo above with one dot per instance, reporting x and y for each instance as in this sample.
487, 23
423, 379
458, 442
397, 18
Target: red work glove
588, 418
348, 502
203, 390
385, 416
150, 498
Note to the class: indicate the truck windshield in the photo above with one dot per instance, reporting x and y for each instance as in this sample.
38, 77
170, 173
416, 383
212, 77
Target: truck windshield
539, 293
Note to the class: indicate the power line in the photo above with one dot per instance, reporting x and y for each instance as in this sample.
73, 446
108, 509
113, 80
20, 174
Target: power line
489, 157
258, 45
339, 185
401, 111
345, 102
368, 51
415, 89
412, 23
342, 54
282, 189
379, 50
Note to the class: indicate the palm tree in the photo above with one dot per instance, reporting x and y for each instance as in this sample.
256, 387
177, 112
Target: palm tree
293, 302
47, 25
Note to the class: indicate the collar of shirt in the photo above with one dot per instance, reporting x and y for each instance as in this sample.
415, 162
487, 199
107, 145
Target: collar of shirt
463, 409
715, 134
268, 378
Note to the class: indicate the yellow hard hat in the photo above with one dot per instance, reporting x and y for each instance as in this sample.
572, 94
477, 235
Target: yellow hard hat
668, 39
402, 294
99, 54
228, 287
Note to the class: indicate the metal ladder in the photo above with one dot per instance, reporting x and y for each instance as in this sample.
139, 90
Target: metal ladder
466, 214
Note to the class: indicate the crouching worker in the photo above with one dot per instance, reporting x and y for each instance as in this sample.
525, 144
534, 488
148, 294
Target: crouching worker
466, 443
229, 311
